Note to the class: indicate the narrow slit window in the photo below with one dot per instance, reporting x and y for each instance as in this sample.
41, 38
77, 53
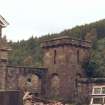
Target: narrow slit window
55, 54
78, 56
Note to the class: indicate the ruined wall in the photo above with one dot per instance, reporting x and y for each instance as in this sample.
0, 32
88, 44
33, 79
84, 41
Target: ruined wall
63, 57
18, 78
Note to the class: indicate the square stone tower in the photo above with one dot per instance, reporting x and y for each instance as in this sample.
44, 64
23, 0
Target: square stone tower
63, 57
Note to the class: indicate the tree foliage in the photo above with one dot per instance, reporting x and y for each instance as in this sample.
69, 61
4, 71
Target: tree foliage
98, 56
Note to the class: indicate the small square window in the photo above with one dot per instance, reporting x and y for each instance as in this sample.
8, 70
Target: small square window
97, 100
97, 90
103, 90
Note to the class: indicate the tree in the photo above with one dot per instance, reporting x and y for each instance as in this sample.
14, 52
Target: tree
96, 65
89, 68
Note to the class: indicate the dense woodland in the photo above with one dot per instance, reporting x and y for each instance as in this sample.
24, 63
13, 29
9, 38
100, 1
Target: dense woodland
29, 53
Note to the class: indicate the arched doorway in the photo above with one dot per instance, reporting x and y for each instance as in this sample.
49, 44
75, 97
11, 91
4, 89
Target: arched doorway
36, 83
21, 82
31, 82
55, 84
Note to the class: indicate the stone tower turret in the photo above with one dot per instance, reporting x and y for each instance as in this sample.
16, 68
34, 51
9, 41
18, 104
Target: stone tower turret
63, 57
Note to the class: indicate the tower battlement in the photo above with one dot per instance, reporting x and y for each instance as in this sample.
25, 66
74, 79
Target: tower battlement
65, 40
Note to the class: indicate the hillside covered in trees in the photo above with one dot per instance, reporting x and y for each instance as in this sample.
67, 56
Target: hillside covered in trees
29, 52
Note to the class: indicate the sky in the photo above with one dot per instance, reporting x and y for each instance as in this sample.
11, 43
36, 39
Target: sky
39, 17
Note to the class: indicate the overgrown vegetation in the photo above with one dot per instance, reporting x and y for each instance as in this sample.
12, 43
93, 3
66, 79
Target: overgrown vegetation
29, 53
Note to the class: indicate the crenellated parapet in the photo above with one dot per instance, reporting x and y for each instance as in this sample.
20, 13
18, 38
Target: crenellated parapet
65, 40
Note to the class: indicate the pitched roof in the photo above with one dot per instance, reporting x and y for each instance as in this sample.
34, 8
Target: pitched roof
3, 22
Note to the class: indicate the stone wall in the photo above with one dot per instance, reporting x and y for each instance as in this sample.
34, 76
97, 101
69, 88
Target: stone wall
18, 78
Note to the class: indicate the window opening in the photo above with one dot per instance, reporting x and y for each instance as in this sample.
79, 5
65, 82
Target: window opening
78, 56
55, 53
